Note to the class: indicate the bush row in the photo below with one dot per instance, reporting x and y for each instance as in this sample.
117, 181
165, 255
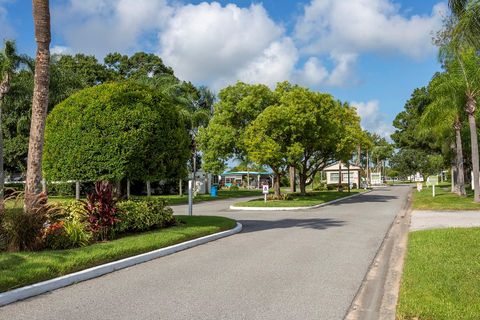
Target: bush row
80, 223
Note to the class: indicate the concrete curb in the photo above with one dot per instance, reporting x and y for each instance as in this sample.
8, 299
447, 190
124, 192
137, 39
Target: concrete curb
232, 207
66, 280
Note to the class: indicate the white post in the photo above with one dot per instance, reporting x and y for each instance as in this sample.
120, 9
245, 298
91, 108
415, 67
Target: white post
149, 189
190, 197
44, 186
128, 188
265, 198
180, 188
433, 190
77, 190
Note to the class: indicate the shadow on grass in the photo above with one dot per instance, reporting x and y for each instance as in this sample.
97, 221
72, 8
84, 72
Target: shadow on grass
317, 224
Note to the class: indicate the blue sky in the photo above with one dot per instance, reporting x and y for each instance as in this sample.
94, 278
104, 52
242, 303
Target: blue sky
372, 53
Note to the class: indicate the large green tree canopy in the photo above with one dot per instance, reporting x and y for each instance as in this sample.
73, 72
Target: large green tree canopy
115, 131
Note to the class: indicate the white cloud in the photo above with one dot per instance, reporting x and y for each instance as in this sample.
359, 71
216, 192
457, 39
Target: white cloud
366, 26
60, 50
102, 26
212, 43
373, 119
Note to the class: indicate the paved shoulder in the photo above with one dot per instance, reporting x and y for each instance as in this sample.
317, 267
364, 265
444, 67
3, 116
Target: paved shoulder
422, 220
284, 265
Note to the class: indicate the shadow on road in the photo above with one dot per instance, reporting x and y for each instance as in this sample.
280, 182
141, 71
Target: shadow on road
367, 198
318, 224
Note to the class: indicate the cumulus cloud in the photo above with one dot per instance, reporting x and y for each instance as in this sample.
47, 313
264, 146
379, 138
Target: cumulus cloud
214, 43
366, 26
102, 26
373, 119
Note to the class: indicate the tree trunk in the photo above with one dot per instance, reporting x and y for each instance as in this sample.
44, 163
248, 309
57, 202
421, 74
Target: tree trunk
340, 176
303, 183
180, 188
460, 179
276, 185
41, 18
128, 188
293, 185
348, 173
475, 157
368, 168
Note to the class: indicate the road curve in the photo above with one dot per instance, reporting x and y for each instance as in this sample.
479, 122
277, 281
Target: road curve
284, 265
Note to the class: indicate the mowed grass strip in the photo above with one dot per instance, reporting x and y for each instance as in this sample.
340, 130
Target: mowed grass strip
297, 200
24, 268
441, 277
443, 200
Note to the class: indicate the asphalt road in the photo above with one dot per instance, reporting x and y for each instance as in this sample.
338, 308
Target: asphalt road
284, 265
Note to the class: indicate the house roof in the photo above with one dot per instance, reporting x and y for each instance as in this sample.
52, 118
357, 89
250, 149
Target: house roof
336, 167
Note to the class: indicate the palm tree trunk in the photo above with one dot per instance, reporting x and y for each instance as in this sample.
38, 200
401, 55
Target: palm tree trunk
470, 109
460, 183
41, 18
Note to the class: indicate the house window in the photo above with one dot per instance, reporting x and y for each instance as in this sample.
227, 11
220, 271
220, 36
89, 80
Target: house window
334, 177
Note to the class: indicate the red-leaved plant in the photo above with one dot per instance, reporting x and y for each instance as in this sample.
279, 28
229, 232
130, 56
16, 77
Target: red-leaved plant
101, 209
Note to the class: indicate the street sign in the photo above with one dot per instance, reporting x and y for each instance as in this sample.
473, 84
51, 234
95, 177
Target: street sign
265, 189
432, 181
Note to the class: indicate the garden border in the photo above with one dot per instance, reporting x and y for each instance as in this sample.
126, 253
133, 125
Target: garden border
94, 272
233, 207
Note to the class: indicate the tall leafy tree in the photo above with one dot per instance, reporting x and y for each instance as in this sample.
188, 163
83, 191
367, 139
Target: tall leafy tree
223, 138
41, 19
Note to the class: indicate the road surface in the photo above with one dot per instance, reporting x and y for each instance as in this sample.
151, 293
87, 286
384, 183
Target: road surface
284, 265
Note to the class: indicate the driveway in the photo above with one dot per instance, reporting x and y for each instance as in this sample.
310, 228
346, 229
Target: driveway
284, 265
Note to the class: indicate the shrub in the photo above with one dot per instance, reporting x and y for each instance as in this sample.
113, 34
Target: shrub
61, 189
283, 197
66, 234
102, 213
23, 229
144, 215
234, 188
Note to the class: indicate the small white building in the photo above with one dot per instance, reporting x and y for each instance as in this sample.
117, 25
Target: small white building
338, 169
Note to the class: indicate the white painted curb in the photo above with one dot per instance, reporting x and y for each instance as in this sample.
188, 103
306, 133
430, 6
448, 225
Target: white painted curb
232, 207
66, 280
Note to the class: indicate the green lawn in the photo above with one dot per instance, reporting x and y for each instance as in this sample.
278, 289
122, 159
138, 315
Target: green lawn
311, 199
23, 268
441, 278
444, 200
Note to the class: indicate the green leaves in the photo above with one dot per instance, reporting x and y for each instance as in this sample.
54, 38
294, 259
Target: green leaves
113, 131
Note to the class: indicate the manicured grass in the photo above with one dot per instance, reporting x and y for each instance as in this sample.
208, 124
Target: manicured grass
441, 277
443, 200
297, 200
23, 268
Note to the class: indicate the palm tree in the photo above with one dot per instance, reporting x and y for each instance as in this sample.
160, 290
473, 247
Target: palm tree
10, 60
447, 104
463, 76
41, 19
467, 21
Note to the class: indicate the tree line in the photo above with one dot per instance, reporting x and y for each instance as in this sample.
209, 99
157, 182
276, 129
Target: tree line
438, 127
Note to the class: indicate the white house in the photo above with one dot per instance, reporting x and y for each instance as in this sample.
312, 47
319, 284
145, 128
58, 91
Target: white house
340, 169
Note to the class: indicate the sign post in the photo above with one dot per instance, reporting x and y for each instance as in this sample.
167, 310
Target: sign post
433, 181
190, 197
265, 191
